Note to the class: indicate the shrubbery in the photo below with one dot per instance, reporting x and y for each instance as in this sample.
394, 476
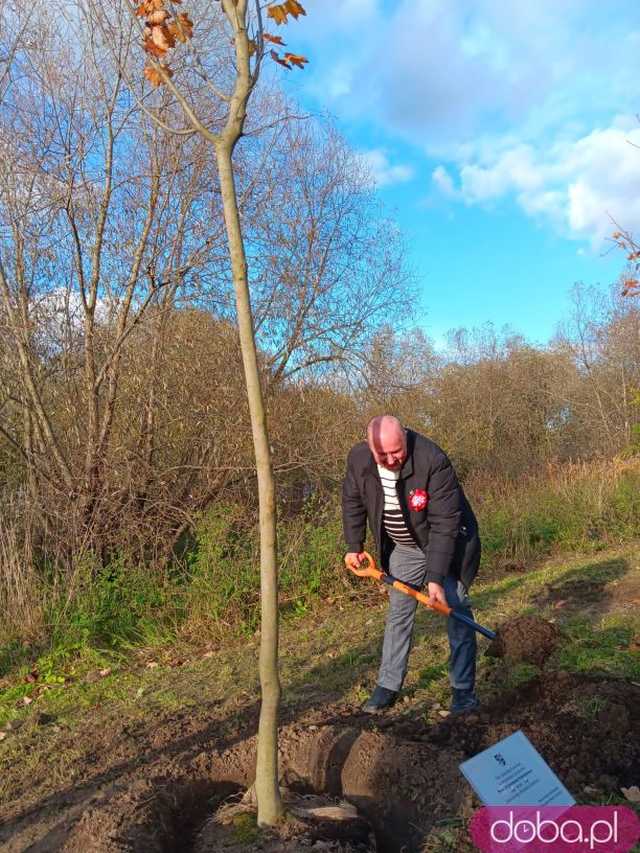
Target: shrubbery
213, 590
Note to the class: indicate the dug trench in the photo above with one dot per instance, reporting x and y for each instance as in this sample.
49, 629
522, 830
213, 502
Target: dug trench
400, 772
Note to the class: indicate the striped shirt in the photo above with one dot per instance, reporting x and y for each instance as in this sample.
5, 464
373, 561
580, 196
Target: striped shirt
393, 519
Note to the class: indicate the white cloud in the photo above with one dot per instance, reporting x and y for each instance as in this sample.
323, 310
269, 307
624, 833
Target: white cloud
578, 185
504, 96
441, 72
444, 182
345, 16
383, 173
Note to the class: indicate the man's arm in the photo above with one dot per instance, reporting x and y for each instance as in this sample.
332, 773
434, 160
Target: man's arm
443, 515
354, 513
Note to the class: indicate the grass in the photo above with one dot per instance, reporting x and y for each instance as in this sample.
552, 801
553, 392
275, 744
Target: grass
603, 646
341, 639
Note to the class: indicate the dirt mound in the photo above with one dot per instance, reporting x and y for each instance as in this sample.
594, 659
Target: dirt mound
587, 729
526, 638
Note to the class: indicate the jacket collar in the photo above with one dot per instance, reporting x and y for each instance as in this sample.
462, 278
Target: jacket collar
407, 468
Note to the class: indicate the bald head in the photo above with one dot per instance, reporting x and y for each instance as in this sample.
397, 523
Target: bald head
387, 441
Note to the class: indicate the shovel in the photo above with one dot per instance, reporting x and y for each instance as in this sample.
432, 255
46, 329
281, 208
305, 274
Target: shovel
372, 571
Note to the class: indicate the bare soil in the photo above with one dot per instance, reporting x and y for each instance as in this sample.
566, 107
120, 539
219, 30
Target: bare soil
155, 786
525, 638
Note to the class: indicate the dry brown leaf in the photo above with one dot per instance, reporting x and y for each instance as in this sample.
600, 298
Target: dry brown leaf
186, 23
632, 794
182, 28
295, 59
278, 13
151, 47
158, 17
154, 76
276, 58
273, 39
162, 38
148, 7
294, 8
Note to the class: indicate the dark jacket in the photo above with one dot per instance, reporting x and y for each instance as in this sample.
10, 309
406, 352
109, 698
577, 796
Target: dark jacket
446, 530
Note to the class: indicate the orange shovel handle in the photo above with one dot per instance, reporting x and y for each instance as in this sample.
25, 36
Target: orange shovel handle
372, 571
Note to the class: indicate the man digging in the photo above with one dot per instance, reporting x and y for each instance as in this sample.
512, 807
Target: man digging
425, 532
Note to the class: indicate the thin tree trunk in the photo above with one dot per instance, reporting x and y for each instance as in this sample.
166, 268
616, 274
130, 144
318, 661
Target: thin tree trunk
266, 784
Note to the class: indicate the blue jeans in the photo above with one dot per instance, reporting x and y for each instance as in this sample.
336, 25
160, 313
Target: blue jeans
408, 564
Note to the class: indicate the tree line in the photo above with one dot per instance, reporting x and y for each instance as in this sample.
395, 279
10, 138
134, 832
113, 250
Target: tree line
123, 411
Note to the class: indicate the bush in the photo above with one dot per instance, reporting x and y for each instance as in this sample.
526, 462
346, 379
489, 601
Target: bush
214, 588
586, 506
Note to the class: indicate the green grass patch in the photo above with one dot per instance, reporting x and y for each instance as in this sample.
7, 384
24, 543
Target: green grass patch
600, 648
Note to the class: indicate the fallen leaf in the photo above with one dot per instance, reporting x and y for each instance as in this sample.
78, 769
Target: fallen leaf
105, 672
443, 713
27, 700
152, 664
632, 794
3, 735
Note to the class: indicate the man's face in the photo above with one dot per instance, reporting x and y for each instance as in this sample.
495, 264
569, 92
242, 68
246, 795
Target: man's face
389, 448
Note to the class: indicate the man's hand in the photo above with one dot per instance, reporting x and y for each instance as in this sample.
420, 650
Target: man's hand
436, 593
353, 561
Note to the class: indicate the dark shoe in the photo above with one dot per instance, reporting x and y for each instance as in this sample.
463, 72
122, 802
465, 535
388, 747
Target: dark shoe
464, 701
380, 700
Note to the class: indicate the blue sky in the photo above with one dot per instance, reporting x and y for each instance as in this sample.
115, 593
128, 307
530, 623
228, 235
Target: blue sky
500, 134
